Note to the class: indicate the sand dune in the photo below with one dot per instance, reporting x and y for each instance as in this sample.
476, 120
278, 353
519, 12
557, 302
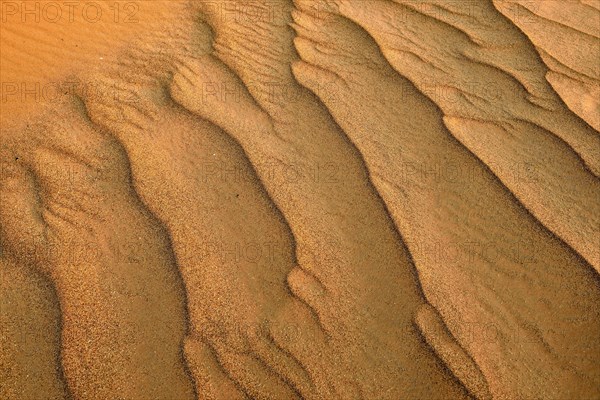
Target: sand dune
30, 335
319, 199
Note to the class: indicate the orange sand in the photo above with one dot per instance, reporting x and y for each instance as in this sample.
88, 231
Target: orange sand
308, 199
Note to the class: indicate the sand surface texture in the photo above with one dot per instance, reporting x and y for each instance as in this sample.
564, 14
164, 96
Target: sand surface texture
300, 199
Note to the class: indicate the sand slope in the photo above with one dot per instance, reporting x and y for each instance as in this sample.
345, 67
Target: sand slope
320, 199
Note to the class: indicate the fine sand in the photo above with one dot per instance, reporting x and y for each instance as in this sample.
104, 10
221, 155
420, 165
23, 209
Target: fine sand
300, 199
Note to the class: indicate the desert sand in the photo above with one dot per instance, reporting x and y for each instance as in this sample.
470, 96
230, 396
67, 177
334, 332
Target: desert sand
300, 199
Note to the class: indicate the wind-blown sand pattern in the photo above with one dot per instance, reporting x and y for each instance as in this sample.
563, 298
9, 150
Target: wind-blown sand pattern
308, 199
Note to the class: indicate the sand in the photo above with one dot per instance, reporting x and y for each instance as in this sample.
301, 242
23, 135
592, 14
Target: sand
308, 199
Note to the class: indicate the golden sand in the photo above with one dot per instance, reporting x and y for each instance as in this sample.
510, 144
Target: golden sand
308, 199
